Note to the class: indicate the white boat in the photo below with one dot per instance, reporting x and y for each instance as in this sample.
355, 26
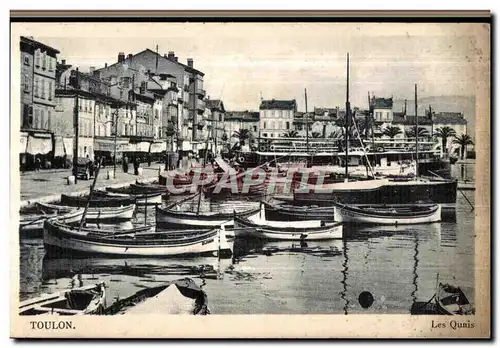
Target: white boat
35, 222
188, 219
97, 213
89, 299
380, 214
256, 225
60, 238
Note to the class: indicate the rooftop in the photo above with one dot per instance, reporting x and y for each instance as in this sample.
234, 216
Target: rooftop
382, 103
214, 104
274, 104
249, 116
38, 44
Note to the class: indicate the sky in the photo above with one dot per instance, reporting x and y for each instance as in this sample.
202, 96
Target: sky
243, 61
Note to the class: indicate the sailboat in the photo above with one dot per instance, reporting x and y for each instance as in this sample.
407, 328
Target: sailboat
375, 191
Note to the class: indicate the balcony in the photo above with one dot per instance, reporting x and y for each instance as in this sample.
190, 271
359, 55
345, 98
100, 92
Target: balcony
201, 92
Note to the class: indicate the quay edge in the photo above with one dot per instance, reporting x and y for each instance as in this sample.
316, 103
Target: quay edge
55, 198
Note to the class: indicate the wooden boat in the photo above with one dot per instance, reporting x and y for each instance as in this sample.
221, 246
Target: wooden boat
256, 225
60, 238
139, 187
35, 222
180, 296
98, 202
290, 212
388, 214
87, 299
173, 217
149, 198
451, 300
97, 213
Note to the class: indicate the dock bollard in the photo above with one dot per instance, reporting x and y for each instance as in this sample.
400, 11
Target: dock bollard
71, 180
110, 174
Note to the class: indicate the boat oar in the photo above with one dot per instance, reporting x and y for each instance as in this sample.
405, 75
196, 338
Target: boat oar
35, 221
458, 189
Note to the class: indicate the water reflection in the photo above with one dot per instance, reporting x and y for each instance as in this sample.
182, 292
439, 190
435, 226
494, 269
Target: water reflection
345, 270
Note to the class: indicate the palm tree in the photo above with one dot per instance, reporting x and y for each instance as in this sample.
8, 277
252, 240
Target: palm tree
463, 140
444, 133
422, 132
242, 135
291, 134
316, 135
391, 131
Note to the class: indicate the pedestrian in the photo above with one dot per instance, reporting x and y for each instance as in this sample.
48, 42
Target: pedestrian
38, 164
136, 166
125, 164
149, 159
91, 169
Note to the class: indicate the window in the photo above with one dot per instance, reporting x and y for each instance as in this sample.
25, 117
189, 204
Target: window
265, 126
47, 126
26, 83
36, 118
27, 116
288, 125
35, 86
42, 120
272, 126
42, 82
44, 61
264, 135
255, 128
26, 60
37, 58
51, 65
50, 90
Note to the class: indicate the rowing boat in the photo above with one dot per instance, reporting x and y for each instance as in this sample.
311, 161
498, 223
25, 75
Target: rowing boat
169, 217
147, 198
388, 214
256, 225
61, 238
451, 300
89, 299
290, 212
35, 222
96, 213
100, 202
180, 296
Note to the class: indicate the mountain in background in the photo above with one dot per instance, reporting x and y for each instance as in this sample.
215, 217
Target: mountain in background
464, 104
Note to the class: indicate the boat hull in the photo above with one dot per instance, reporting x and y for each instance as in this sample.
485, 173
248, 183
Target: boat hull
391, 192
100, 214
299, 214
37, 224
243, 228
347, 215
57, 239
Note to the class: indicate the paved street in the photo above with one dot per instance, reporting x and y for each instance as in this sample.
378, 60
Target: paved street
46, 184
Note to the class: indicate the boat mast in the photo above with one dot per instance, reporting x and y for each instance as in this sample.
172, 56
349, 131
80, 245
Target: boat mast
307, 122
90, 195
347, 122
416, 131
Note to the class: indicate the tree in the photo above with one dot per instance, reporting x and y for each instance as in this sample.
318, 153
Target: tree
316, 135
242, 135
391, 131
463, 140
422, 132
444, 133
291, 134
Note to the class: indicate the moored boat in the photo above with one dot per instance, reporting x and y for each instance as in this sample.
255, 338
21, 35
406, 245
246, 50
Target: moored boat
146, 198
97, 213
256, 225
181, 296
451, 300
97, 202
381, 214
60, 238
167, 217
35, 222
89, 299
290, 212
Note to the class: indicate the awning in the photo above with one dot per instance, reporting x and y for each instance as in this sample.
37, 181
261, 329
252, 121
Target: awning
143, 146
58, 146
108, 145
158, 147
24, 142
39, 144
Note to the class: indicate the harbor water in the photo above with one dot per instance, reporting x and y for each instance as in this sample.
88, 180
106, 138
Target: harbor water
397, 265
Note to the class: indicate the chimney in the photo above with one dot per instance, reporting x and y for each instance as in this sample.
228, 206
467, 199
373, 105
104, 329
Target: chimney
91, 70
190, 62
63, 62
176, 59
171, 55
105, 65
165, 56
121, 57
130, 55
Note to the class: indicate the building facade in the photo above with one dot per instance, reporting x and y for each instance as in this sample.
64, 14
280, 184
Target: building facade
276, 117
38, 72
